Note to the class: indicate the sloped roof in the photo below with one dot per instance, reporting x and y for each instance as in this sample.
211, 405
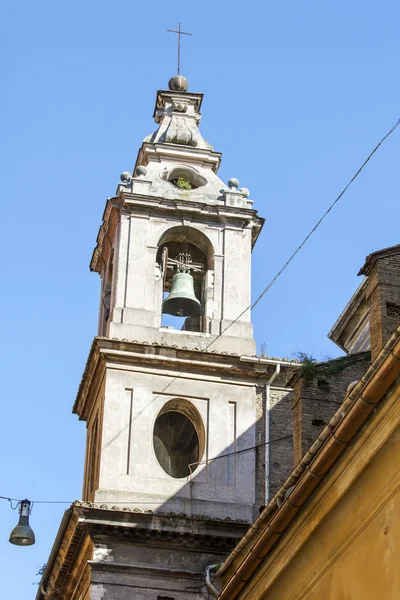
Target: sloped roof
374, 256
360, 401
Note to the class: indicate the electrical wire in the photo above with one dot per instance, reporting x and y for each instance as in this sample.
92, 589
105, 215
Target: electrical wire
287, 263
139, 502
253, 305
204, 462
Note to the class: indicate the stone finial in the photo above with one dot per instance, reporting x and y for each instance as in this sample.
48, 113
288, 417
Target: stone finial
141, 171
233, 183
245, 192
178, 83
125, 177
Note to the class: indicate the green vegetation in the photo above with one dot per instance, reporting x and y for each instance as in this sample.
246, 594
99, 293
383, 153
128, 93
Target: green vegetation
182, 183
308, 368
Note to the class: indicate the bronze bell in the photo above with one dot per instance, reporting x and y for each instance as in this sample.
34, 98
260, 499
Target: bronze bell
182, 301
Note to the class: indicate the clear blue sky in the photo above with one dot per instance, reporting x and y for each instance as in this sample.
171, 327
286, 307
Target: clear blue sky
296, 96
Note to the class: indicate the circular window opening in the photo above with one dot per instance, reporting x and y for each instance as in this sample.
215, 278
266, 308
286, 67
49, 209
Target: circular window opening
176, 443
184, 178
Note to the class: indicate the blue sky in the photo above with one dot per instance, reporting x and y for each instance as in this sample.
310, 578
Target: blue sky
296, 96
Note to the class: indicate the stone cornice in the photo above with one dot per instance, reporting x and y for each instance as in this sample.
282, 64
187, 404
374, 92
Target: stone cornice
157, 152
106, 352
84, 521
162, 95
159, 527
161, 207
116, 567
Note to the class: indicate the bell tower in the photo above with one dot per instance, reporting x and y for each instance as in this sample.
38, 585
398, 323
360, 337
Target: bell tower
174, 226
173, 397
173, 253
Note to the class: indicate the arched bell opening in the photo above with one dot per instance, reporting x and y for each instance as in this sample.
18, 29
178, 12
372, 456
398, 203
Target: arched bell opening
185, 257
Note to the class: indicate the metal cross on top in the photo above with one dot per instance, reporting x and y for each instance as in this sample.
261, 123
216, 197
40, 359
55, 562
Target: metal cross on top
179, 32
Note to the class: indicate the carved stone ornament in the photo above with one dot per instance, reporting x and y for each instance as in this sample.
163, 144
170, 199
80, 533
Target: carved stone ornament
180, 107
181, 131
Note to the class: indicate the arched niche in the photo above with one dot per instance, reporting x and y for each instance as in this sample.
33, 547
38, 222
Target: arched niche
187, 240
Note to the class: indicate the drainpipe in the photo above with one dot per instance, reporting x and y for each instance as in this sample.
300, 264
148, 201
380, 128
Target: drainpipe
267, 427
209, 585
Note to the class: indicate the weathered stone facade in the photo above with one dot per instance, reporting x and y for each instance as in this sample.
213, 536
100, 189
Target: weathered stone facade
189, 434
180, 420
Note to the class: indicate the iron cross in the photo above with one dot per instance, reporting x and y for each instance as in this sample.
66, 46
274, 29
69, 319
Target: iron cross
179, 32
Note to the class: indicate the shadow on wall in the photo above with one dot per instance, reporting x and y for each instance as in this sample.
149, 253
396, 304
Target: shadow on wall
246, 473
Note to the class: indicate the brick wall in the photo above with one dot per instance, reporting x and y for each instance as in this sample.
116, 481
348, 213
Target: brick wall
280, 425
281, 452
318, 394
260, 451
383, 293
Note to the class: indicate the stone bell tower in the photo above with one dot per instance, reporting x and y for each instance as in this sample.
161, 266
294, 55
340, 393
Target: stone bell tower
175, 203
171, 401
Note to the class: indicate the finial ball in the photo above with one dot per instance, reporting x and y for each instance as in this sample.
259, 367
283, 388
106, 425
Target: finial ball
141, 171
233, 183
125, 177
178, 83
245, 192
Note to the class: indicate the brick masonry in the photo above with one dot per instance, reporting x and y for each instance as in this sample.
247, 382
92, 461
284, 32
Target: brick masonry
280, 452
383, 293
318, 394
280, 425
260, 450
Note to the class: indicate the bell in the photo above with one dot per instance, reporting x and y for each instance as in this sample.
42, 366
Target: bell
182, 301
22, 534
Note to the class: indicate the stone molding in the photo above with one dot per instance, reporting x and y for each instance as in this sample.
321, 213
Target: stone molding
104, 349
88, 521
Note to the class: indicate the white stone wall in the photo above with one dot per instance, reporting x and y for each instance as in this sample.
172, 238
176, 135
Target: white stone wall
137, 289
129, 470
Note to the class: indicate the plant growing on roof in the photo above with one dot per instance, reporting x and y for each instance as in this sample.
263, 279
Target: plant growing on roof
182, 183
308, 368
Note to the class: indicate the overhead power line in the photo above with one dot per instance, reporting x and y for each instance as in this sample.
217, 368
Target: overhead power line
287, 263
253, 305
285, 437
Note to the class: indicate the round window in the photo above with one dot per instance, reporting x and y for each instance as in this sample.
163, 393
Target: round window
176, 443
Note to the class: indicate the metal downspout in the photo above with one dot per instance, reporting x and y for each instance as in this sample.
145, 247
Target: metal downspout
209, 585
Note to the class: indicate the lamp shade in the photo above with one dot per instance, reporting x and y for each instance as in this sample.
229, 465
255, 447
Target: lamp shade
22, 534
